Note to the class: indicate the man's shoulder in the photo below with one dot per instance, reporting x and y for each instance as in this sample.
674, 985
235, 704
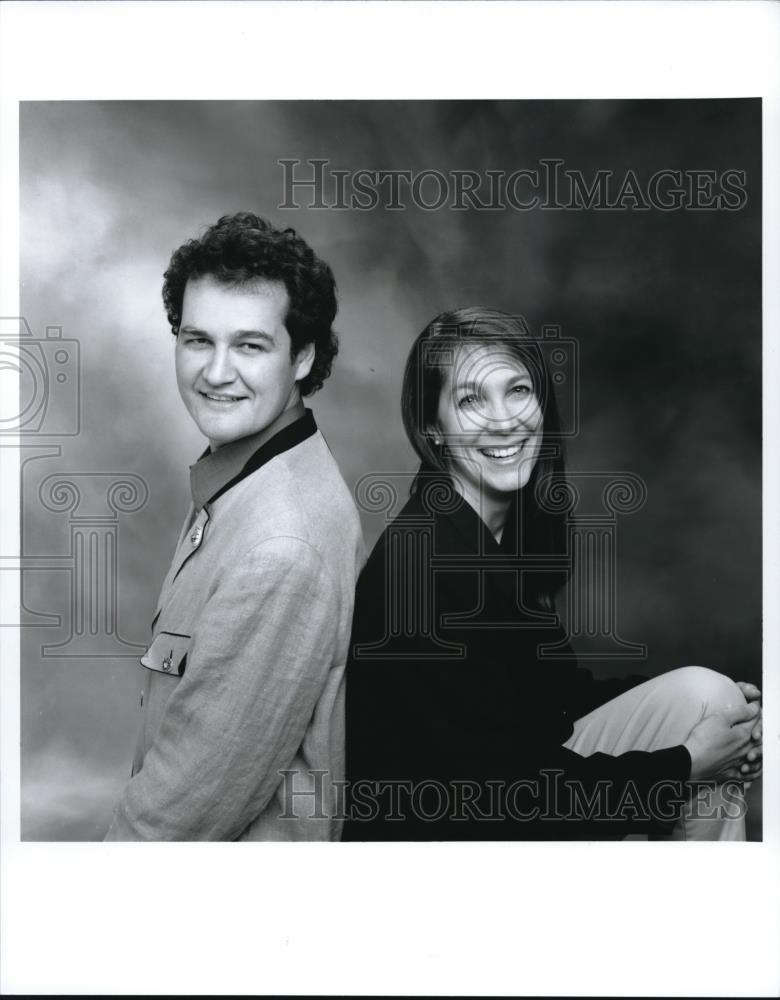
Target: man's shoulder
308, 476
300, 492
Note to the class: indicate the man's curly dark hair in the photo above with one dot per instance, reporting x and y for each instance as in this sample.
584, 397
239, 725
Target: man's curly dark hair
242, 247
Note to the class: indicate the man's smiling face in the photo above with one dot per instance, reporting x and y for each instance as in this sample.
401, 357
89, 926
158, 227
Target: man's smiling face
233, 357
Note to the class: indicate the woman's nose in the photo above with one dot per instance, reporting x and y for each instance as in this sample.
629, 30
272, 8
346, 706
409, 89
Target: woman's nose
508, 413
220, 368
499, 413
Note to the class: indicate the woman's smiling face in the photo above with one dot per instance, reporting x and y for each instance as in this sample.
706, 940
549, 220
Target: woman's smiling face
489, 423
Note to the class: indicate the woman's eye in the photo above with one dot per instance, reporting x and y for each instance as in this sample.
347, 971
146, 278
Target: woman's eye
469, 400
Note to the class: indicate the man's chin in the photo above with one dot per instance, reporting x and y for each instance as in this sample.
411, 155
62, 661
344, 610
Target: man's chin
219, 435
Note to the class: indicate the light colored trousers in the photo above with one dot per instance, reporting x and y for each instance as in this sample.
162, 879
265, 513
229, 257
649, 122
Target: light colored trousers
659, 714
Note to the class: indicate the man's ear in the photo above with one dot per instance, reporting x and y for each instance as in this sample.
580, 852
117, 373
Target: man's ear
304, 360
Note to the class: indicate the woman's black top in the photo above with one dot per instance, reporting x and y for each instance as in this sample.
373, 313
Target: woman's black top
456, 710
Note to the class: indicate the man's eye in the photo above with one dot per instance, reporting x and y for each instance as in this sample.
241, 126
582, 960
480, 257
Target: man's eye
196, 341
250, 347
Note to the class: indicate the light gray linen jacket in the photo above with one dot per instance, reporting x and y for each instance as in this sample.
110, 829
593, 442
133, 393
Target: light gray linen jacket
244, 676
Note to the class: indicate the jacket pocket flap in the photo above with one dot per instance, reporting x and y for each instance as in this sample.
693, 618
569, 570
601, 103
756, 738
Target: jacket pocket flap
168, 653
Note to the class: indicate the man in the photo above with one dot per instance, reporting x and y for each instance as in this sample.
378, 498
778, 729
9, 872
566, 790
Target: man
243, 729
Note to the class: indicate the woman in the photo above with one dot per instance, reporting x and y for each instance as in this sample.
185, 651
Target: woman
467, 716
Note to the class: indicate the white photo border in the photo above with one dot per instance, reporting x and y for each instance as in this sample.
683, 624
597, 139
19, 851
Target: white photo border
522, 919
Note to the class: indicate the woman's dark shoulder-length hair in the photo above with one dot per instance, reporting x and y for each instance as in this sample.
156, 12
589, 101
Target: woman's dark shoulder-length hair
542, 524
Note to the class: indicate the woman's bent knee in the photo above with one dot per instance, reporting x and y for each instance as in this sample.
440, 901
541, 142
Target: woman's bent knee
714, 690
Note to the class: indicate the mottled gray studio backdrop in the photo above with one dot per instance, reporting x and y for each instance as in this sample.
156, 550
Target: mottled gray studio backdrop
666, 308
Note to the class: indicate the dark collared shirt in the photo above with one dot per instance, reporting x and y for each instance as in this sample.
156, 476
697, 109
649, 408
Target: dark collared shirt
216, 471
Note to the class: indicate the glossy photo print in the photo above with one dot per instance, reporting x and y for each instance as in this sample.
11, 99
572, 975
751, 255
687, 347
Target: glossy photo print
390, 470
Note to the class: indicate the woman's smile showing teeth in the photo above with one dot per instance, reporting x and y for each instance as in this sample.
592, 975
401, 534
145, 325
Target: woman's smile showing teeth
501, 453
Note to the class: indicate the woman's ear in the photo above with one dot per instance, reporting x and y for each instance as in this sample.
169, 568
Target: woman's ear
434, 435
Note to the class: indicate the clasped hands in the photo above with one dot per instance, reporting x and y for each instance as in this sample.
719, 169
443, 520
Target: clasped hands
726, 745
752, 765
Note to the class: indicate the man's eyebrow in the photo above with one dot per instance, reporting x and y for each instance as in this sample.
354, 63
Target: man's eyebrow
257, 334
237, 335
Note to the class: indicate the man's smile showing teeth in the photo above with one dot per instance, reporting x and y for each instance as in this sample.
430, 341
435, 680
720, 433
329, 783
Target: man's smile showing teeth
221, 399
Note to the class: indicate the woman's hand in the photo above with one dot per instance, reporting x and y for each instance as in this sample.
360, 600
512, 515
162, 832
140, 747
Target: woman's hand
751, 693
720, 743
752, 766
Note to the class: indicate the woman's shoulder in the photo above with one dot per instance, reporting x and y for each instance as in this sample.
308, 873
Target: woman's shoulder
411, 518
419, 554
433, 515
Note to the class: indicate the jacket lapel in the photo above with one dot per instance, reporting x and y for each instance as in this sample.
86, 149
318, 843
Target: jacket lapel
190, 540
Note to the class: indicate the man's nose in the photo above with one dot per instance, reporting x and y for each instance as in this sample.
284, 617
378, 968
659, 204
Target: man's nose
220, 369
